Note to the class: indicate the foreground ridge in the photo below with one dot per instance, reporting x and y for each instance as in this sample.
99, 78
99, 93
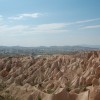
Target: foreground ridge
51, 77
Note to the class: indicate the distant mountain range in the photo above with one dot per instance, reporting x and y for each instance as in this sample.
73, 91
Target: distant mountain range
91, 46
18, 50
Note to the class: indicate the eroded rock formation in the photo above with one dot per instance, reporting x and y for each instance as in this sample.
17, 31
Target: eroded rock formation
56, 77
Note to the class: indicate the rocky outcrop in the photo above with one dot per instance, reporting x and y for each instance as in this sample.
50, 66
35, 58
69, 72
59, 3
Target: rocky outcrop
55, 77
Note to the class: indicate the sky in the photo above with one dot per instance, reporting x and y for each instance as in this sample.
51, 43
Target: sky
49, 22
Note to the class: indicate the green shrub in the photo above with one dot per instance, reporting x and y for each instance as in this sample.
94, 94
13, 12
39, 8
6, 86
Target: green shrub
68, 86
50, 91
39, 98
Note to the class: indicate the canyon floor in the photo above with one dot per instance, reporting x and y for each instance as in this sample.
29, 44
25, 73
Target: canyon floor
51, 77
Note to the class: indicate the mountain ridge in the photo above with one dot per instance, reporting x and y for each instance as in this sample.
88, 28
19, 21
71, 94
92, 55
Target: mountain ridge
14, 50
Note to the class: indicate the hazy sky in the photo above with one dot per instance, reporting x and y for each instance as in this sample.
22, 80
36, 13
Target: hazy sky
49, 22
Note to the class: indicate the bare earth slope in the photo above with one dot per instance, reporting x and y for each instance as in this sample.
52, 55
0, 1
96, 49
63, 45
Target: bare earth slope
56, 77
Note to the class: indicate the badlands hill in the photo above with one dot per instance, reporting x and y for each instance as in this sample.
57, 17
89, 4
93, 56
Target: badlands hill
51, 77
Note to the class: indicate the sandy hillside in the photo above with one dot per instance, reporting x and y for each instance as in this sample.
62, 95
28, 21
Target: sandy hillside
56, 77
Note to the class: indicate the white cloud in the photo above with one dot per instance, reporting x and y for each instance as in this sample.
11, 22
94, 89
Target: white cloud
5, 29
42, 28
51, 28
26, 15
1, 17
91, 27
90, 20
83, 21
48, 27
27, 29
